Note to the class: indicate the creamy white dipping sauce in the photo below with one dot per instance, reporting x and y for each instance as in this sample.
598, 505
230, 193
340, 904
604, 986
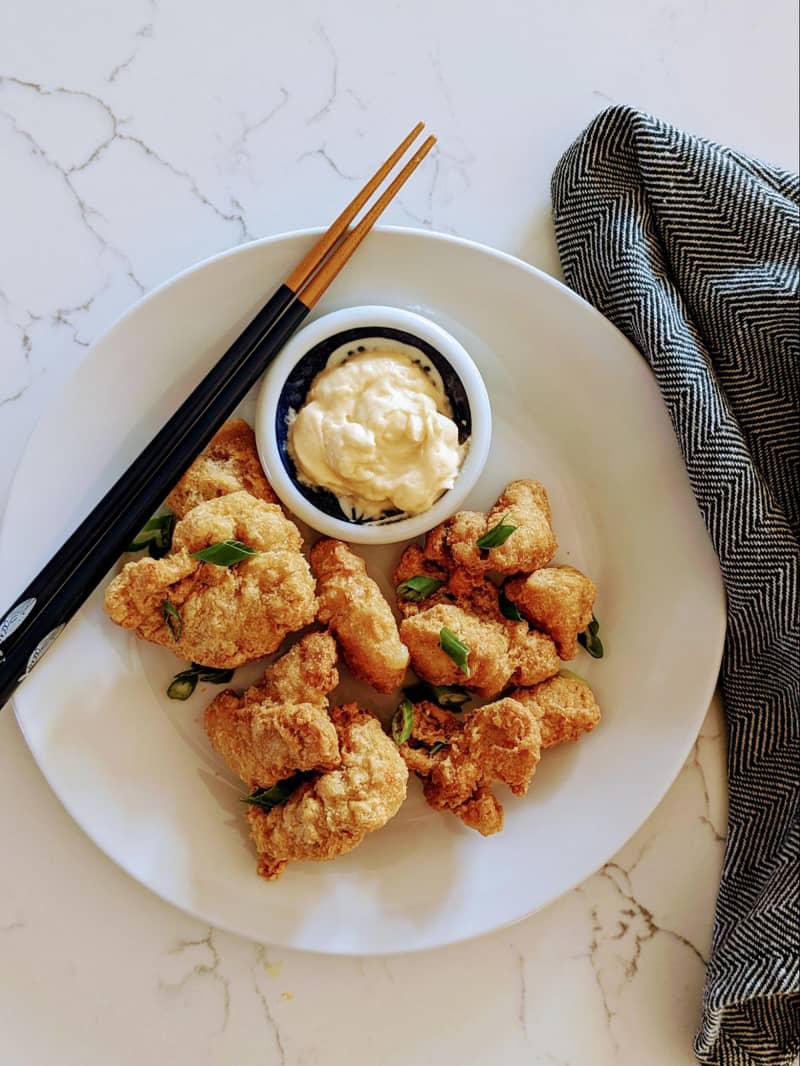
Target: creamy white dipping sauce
377, 431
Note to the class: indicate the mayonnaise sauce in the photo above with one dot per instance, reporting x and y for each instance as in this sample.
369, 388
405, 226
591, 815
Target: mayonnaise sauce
377, 431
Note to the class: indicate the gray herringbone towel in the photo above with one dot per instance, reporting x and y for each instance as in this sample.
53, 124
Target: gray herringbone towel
692, 250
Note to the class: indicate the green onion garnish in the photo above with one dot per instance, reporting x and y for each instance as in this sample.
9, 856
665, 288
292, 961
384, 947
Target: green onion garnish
402, 722
590, 639
172, 617
418, 588
155, 535
438, 746
183, 684
496, 536
451, 697
508, 609
225, 553
269, 798
563, 672
452, 646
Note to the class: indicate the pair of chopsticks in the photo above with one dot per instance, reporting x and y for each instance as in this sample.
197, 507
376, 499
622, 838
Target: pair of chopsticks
37, 616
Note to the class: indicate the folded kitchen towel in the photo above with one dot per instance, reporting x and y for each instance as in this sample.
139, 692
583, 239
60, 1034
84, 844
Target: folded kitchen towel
691, 249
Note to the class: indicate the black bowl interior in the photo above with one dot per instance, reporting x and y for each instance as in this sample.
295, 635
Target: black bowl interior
306, 369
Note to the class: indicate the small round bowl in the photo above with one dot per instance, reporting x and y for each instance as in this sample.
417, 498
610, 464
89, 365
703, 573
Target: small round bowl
288, 380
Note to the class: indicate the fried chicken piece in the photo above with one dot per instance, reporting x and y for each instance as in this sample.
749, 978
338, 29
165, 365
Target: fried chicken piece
565, 707
414, 563
305, 674
498, 742
523, 504
219, 616
229, 463
331, 814
280, 726
532, 655
501, 652
558, 599
351, 603
489, 665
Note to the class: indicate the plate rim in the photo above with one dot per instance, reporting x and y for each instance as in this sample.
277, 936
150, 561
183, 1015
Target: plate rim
716, 646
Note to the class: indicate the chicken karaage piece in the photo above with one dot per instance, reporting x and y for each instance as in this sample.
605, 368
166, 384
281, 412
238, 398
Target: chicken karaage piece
523, 505
219, 615
501, 651
557, 599
281, 725
565, 707
330, 813
459, 759
351, 603
229, 463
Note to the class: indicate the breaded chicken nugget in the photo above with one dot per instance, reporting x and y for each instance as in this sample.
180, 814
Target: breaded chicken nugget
229, 463
264, 743
557, 599
533, 656
488, 668
220, 616
501, 651
305, 674
498, 742
280, 726
413, 563
353, 606
331, 813
522, 504
565, 707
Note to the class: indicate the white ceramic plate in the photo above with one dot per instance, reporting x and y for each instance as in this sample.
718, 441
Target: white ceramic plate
574, 406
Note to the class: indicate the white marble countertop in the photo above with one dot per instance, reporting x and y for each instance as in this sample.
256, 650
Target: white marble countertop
139, 137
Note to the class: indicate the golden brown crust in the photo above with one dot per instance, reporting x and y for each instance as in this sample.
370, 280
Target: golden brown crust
523, 504
501, 652
280, 726
557, 599
498, 742
351, 603
489, 665
228, 615
229, 463
565, 707
264, 743
332, 813
305, 674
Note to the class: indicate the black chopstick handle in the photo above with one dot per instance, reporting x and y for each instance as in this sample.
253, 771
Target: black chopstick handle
40, 612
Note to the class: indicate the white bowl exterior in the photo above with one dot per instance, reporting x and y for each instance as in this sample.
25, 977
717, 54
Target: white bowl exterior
387, 318
575, 405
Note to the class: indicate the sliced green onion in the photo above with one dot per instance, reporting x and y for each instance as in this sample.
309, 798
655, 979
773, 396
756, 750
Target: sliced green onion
438, 746
182, 685
572, 676
211, 674
269, 798
452, 646
155, 535
451, 697
590, 639
508, 609
418, 588
496, 536
225, 553
402, 722
172, 617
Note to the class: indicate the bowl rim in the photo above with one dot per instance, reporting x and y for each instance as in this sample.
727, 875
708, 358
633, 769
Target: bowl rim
325, 327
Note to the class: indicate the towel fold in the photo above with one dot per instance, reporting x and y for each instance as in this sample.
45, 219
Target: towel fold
691, 249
